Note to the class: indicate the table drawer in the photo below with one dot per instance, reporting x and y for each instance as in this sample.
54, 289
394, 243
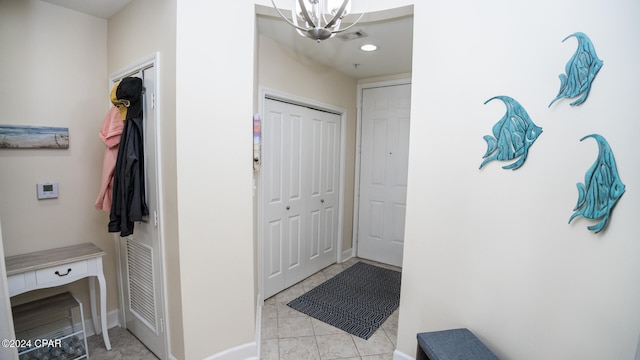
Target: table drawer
16, 282
60, 273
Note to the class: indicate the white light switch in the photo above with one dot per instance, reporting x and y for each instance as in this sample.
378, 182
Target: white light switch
47, 190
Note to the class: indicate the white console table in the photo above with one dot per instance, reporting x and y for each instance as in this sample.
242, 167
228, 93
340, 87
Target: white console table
60, 266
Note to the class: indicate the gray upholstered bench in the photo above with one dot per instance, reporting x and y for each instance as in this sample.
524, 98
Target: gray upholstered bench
456, 344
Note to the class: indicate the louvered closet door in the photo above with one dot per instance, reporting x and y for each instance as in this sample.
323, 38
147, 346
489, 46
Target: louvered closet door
142, 292
141, 286
300, 187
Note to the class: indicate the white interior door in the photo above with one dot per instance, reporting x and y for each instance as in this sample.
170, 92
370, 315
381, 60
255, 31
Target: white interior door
383, 173
140, 253
282, 195
323, 159
300, 193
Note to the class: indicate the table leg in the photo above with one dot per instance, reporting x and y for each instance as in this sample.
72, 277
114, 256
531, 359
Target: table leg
92, 298
103, 305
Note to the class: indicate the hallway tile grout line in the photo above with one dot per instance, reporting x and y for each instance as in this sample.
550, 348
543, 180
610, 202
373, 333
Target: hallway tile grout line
291, 335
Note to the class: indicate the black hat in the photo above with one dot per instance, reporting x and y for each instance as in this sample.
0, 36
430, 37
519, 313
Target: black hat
129, 93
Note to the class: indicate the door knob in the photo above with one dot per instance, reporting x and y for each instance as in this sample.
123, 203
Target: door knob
321, 200
288, 207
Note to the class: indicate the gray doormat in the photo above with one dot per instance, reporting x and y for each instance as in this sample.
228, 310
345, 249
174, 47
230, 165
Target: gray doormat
357, 300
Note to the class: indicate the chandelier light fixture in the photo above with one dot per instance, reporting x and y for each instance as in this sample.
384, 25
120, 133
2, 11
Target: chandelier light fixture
318, 19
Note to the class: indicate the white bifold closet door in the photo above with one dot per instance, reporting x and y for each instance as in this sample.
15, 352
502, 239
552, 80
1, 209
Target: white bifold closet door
300, 192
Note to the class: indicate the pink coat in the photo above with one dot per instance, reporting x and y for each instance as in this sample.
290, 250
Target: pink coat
110, 134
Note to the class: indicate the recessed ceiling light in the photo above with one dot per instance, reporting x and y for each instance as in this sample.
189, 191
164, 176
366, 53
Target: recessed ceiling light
368, 47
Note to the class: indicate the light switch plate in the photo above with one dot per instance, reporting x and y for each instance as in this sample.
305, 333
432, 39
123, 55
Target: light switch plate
47, 190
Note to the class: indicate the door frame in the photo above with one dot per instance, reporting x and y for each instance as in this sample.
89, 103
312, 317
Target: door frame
356, 188
152, 60
268, 93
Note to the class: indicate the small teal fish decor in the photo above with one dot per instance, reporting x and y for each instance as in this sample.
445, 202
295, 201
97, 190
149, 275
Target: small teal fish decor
602, 187
581, 70
512, 136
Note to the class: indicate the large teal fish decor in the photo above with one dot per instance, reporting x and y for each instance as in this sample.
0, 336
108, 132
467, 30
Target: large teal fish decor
581, 70
512, 136
601, 189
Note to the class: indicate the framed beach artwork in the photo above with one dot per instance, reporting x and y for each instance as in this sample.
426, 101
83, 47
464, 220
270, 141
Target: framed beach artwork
33, 137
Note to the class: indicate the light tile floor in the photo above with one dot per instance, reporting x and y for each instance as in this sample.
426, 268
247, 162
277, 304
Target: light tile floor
286, 333
124, 346
291, 335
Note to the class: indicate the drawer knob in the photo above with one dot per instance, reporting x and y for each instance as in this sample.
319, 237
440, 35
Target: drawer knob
58, 273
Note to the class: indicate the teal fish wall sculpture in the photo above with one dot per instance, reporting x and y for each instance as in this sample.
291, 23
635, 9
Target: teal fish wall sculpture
512, 136
602, 187
581, 70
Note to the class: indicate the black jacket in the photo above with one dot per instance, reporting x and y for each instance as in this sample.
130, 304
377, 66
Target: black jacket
129, 203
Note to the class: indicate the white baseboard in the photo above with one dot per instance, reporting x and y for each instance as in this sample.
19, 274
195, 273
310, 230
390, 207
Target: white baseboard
249, 351
113, 320
346, 255
399, 355
242, 352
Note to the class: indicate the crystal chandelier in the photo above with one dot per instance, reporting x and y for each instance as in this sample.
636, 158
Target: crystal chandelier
318, 19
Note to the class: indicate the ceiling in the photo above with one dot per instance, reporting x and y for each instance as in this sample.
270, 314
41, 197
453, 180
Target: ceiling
393, 37
100, 8
391, 31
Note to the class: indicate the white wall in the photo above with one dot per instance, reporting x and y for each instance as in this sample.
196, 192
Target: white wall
53, 73
214, 137
491, 249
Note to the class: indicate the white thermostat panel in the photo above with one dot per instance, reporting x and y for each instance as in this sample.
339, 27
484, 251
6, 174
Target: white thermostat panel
47, 190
